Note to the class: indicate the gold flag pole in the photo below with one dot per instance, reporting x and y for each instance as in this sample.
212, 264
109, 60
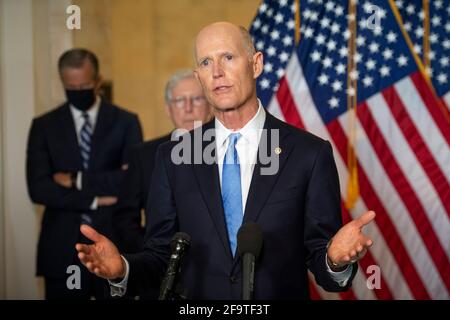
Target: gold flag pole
352, 185
426, 36
297, 22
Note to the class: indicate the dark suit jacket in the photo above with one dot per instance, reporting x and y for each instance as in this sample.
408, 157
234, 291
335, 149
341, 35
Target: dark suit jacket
298, 210
129, 232
133, 195
53, 147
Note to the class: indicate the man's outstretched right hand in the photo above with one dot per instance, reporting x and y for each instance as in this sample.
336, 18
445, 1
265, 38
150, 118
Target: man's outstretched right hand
102, 257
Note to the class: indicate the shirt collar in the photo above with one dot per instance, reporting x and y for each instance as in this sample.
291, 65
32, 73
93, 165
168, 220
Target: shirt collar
92, 111
251, 132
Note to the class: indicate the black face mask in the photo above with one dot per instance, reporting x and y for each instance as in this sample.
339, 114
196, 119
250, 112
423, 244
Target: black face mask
81, 99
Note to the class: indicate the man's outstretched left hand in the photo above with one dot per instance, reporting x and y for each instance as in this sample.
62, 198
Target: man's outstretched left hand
349, 244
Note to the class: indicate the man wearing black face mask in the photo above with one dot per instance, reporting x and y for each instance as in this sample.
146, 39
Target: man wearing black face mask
76, 157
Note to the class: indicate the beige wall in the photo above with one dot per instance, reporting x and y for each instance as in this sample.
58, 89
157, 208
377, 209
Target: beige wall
17, 103
141, 42
50, 39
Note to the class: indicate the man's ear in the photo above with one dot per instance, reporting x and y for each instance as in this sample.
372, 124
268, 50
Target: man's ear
258, 64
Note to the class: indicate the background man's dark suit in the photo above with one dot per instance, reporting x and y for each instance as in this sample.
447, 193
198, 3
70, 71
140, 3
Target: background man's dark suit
133, 196
53, 147
298, 210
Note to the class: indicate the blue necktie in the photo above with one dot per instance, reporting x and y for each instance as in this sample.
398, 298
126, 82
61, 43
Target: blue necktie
231, 191
85, 149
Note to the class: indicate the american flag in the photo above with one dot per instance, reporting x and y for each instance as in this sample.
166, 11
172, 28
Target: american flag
399, 134
430, 22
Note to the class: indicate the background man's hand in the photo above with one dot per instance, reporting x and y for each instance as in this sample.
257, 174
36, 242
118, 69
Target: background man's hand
63, 179
102, 257
106, 201
350, 244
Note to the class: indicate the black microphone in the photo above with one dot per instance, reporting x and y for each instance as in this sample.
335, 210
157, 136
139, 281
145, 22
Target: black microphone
179, 245
249, 244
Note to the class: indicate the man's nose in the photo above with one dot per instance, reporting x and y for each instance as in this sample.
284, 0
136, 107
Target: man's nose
217, 70
188, 105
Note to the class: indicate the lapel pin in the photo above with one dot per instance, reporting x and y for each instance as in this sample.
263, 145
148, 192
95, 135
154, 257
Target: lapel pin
277, 150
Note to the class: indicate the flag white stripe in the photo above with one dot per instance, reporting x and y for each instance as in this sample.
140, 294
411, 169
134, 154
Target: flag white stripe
308, 112
313, 123
362, 292
384, 257
395, 208
412, 169
303, 100
424, 123
446, 99
275, 109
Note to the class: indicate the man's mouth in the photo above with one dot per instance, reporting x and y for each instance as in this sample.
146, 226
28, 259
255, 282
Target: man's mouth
222, 89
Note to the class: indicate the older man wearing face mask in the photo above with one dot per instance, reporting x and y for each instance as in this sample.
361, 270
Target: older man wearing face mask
75, 159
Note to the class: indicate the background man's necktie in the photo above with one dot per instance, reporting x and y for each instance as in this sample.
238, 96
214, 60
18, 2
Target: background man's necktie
85, 149
85, 140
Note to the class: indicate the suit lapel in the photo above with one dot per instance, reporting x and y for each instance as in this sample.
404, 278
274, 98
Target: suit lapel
261, 185
69, 137
208, 180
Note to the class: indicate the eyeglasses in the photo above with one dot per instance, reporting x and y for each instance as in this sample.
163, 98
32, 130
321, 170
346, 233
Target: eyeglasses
180, 102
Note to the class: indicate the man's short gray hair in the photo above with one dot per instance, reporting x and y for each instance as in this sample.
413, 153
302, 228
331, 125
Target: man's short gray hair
248, 42
174, 80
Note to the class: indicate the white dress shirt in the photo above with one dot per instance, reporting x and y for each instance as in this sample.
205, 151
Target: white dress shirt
247, 149
78, 120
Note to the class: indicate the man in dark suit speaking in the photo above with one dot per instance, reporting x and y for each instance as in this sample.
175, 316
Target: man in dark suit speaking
75, 159
297, 205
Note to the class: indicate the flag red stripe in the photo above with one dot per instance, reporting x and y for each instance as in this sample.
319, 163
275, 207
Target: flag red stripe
405, 191
445, 102
419, 146
439, 115
348, 295
287, 105
313, 293
383, 220
384, 292
292, 116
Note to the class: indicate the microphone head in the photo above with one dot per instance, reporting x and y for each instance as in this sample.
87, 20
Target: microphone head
249, 239
180, 238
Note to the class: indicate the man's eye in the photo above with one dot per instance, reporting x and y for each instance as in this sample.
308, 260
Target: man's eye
229, 57
204, 63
